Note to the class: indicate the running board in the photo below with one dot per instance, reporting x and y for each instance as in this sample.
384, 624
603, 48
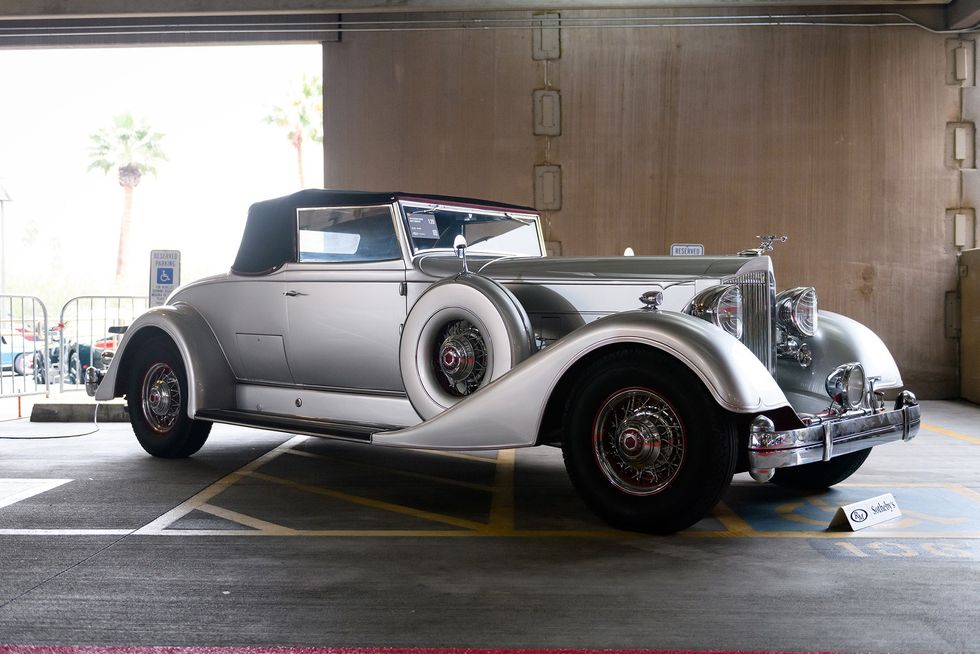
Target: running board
307, 426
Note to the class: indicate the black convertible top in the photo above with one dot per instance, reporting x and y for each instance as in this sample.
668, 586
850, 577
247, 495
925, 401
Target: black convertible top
269, 239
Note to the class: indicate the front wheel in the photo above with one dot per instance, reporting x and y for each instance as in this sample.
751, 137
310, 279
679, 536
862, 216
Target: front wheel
156, 398
822, 474
645, 444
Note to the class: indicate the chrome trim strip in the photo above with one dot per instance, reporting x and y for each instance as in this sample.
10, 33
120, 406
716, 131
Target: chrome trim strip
828, 442
825, 441
328, 389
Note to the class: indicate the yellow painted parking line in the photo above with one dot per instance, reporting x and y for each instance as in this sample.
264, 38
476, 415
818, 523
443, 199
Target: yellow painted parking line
409, 533
374, 504
247, 520
395, 471
731, 520
950, 432
502, 504
867, 533
968, 493
898, 484
217, 488
460, 455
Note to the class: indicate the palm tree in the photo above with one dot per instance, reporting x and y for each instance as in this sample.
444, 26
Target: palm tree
302, 118
132, 148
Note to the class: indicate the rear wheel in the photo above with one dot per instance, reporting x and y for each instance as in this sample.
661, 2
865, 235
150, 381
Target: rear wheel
74, 368
40, 368
645, 444
823, 474
156, 397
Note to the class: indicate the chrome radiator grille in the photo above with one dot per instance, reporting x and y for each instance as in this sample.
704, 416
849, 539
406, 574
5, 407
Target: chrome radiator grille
758, 303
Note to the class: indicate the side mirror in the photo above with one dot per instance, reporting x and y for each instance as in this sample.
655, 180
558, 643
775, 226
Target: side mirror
459, 244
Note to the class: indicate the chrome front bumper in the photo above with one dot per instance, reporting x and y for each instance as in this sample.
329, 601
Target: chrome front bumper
770, 449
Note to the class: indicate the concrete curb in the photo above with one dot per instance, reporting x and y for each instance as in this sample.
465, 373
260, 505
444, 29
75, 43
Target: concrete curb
78, 412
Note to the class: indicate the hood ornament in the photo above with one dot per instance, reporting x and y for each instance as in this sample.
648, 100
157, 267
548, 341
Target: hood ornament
765, 246
459, 245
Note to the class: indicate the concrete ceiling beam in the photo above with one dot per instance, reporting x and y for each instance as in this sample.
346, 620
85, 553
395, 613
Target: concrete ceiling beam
48, 9
962, 14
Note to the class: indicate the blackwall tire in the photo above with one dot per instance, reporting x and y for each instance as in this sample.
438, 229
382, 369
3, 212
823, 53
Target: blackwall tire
40, 368
461, 334
156, 398
644, 443
822, 474
74, 368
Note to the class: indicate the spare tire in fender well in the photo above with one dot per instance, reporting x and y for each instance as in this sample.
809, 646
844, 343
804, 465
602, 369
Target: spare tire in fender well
462, 333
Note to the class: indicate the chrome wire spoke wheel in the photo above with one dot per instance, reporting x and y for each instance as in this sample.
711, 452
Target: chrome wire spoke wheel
638, 441
461, 357
161, 397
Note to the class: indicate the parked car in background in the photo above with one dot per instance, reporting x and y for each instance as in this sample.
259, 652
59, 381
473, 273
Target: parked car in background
46, 367
434, 322
14, 355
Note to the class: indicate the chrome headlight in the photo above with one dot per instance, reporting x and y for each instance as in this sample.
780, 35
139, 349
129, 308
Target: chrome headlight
721, 306
796, 310
846, 385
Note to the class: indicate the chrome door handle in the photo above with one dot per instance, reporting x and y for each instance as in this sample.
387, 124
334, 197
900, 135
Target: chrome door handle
292, 293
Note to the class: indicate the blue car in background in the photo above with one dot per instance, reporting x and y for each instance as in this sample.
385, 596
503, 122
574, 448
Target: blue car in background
15, 359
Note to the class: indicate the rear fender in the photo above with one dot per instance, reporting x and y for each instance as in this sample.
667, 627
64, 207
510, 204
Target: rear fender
211, 384
509, 411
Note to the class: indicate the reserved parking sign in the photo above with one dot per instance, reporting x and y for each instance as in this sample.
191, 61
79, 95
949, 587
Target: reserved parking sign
164, 275
686, 250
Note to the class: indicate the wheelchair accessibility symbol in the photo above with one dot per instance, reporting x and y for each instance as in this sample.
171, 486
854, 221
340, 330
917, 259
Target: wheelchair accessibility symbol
943, 510
165, 275
936, 510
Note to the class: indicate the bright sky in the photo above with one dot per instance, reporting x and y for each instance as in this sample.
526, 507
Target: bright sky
62, 227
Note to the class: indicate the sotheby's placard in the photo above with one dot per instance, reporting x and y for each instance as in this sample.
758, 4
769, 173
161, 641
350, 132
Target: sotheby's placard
866, 513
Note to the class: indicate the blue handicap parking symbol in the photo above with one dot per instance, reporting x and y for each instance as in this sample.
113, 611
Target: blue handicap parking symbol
165, 275
935, 510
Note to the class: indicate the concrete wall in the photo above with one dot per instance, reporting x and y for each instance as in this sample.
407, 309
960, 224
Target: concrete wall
832, 135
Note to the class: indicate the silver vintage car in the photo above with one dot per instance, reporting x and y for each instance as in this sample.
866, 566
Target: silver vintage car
432, 322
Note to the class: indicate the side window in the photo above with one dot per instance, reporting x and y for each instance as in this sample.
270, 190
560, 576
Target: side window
347, 234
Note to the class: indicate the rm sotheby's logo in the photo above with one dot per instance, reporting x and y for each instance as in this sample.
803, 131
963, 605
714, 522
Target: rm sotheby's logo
859, 515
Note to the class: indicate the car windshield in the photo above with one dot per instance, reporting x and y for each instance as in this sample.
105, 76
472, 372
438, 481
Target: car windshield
490, 232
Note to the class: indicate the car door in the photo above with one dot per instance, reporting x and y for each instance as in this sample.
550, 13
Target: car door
345, 301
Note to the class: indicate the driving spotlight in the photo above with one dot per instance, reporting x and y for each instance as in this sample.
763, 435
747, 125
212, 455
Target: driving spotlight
846, 385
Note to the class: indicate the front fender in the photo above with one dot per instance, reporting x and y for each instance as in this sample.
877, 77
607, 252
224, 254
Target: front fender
839, 340
211, 384
508, 412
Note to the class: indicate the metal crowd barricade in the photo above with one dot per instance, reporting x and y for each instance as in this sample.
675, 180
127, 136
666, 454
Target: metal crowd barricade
84, 331
24, 346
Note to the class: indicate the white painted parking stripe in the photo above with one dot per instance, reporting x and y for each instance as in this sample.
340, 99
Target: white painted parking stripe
247, 520
65, 532
15, 490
